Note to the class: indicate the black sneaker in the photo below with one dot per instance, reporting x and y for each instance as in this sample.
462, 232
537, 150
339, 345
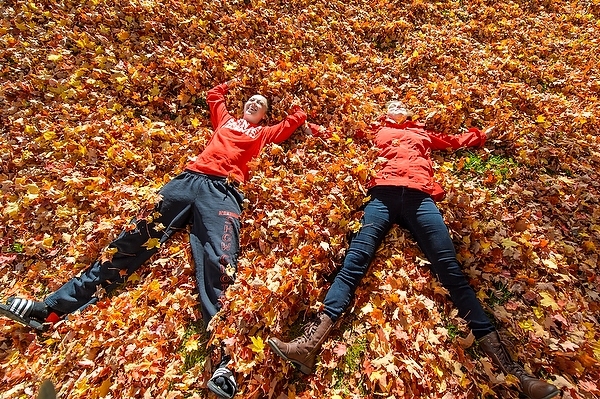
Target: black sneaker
27, 312
222, 383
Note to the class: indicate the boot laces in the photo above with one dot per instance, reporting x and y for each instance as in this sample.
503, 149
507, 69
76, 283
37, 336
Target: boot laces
308, 331
508, 363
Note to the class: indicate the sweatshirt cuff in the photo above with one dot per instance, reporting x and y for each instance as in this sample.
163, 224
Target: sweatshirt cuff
480, 134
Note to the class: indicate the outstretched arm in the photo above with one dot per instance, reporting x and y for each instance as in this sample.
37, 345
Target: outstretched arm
284, 129
216, 103
471, 138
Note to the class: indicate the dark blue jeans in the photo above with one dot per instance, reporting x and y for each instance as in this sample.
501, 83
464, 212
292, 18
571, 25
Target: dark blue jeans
417, 212
209, 204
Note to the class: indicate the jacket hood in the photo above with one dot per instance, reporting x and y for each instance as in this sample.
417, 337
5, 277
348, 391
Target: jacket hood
383, 120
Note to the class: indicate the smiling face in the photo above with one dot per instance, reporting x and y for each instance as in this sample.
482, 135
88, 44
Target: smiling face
255, 109
397, 111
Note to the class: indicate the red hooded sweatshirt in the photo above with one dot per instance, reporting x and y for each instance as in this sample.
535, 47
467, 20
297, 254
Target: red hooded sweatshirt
406, 148
236, 141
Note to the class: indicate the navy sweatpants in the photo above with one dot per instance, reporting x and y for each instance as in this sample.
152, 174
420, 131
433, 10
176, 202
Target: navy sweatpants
209, 204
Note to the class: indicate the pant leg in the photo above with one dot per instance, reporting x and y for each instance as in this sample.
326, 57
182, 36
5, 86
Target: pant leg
423, 219
375, 224
173, 213
215, 241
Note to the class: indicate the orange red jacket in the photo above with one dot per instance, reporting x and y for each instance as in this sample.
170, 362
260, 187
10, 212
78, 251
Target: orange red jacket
236, 141
406, 150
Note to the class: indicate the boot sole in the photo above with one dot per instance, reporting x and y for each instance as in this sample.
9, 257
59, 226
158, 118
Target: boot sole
553, 394
303, 368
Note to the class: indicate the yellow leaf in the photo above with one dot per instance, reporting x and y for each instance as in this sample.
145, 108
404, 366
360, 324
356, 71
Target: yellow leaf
550, 264
258, 344
134, 277
48, 241
230, 67
335, 138
155, 90
547, 301
375, 375
353, 59
270, 317
526, 325
49, 135
538, 312
12, 209
191, 345
54, 57
481, 295
596, 349
508, 243
33, 189
152, 243
127, 154
103, 389
111, 153
540, 119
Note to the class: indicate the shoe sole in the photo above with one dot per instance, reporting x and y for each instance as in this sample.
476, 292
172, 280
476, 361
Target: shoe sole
303, 368
214, 388
553, 394
5, 311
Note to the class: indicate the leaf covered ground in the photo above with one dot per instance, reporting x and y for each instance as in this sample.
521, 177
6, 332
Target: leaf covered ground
103, 102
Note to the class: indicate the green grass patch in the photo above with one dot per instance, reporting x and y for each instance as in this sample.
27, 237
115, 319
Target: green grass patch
453, 331
193, 347
17, 247
502, 167
353, 358
497, 163
352, 363
499, 295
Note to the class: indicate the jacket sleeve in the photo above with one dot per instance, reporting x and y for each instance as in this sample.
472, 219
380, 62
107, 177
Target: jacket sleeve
216, 103
472, 138
284, 129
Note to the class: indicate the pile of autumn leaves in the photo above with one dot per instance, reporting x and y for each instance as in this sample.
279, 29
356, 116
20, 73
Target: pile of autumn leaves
104, 102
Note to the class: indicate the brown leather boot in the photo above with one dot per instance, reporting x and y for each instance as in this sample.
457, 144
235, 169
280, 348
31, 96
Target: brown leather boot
303, 350
532, 387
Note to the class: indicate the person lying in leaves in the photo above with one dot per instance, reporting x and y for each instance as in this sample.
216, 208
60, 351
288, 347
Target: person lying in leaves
403, 192
206, 196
